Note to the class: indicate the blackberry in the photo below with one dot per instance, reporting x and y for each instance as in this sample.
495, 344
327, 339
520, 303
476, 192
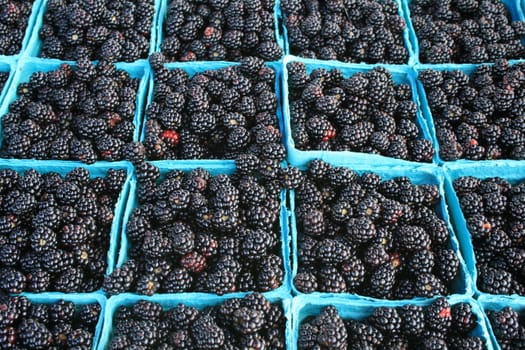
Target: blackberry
13, 19
505, 323
386, 320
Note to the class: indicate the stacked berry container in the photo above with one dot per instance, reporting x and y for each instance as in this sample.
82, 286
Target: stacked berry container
262, 174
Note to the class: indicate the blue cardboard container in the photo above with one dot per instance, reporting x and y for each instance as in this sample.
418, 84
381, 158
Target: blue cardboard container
34, 44
468, 69
512, 171
96, 170
304, 306
197, 300
215, 168
31, 20
27, 66
400, 74
419, 175
496, 303
78, 300
407, 33
513, 7
193, 68
163, 11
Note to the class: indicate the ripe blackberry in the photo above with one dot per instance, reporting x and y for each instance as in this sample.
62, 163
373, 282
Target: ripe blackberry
13, 19
505, 323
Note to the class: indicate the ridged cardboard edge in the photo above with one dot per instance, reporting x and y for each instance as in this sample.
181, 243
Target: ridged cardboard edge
217, 168
303, 306
77, 299
400, 74
98, 169
419, 175
198, 300
34, 44
496, 303
512, 6
27, 66
277, 20
511, 170
193, 68
407, 33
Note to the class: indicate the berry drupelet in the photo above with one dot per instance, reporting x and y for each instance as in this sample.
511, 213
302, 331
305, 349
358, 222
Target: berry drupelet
478, 116
201, 233
117, 31
465, 31
83, 112
408, 327
365, 113
225, 30
497, 235
14, 16
248, 322
227, 113
56, 229
358, 31
364, 235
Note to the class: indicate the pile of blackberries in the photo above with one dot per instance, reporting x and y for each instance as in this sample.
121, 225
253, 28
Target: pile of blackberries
3, 80
14, 15
366, 112
495, 213
508, 327
350, 31
251, 322
197, 232
117, 30
83, 112
364, 235
55, 230
214, 114
481, 116
58, 325
466, 31
436, 326
224, 30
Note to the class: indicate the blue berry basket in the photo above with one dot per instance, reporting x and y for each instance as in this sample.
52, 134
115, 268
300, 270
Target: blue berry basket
419, 175
496, 303
27, 66
513, 6
215, 168
34, 44
408, 34
161, 17
512, 171
197, 300
400, 74
358, 309
30, 28
95, 170
191, 69
78, 300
